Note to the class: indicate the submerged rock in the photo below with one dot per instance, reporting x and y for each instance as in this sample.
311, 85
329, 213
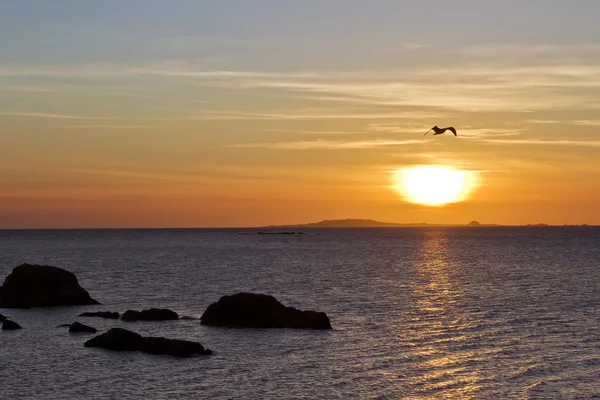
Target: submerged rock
77, 327
9, 325
153, 314
120, 339
250, 310
101, 314
42, 286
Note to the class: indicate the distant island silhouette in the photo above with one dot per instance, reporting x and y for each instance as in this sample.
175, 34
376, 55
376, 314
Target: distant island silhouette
366, 223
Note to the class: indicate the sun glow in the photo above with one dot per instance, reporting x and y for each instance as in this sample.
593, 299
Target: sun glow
434, 185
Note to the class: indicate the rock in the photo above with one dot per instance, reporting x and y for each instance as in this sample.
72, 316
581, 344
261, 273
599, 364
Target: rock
173, 347
118, 339
2, 317
249, 310
77, 327
101, 314
42, 286
9, 325
123, 340
64, 326
153, 314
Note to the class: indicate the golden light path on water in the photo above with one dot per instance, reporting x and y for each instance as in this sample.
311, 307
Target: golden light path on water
434, 185
441, 342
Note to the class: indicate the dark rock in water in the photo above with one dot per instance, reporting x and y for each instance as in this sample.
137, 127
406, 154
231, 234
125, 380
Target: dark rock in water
123, 340
64, 326
101, 314
2, 317
116, 339
153, 314
9, 325
250, 310
173, 347
42, 286
77, 327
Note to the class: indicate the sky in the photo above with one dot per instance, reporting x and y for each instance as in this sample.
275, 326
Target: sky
145, 113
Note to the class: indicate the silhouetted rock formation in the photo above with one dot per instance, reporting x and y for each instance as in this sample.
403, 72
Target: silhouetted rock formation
2, 317
9, 325
120, 339
474, 223
153, 314
101, 314
77, 327
42, 286
250, 310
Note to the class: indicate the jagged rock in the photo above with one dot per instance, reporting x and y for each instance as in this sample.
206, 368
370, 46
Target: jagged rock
250, 310
77, 327
153, 314
101, 314
9, 325
123, 340
42, 286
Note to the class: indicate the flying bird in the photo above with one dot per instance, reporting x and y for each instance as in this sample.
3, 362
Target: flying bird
439, 131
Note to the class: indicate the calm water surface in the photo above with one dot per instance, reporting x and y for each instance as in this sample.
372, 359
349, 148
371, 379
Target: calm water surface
424, 313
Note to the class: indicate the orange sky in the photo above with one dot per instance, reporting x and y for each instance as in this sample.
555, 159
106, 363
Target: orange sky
197, 129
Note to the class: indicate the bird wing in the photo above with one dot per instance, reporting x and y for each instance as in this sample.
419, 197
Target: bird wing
451, 129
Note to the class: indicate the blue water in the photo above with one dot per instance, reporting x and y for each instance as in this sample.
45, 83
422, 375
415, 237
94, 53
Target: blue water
418, 313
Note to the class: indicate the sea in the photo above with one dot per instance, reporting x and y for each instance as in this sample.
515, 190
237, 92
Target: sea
417, 313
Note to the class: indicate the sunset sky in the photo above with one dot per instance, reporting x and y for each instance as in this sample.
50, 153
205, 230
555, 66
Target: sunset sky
144, 113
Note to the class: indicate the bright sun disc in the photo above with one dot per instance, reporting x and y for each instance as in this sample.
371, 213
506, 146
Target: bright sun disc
434, 185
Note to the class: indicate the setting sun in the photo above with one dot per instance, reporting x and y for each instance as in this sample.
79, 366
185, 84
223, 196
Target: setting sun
434, 185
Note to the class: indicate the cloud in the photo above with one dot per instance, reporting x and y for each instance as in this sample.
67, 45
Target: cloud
587, 122
576, 143
51, 116
109, 126
329, 145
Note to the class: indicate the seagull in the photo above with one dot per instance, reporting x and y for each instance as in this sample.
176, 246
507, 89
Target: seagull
439, 131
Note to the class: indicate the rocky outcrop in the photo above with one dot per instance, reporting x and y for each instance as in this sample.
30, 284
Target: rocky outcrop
120, 339
250, 310
153, 314
9, 325
77, 327
101, 314
42, 286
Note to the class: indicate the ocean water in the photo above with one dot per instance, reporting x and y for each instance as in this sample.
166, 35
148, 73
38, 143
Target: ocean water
418, 313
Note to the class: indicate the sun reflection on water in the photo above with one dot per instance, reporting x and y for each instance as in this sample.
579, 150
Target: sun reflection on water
441, 356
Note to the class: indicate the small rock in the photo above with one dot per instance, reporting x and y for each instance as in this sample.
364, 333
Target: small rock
64, 326
9, 325
77, 327
101, 314
120, 339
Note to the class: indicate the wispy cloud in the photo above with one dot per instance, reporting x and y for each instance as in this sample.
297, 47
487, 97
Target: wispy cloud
52, 116
576, 143
109, 126
329, 145
587, 122
542, 121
